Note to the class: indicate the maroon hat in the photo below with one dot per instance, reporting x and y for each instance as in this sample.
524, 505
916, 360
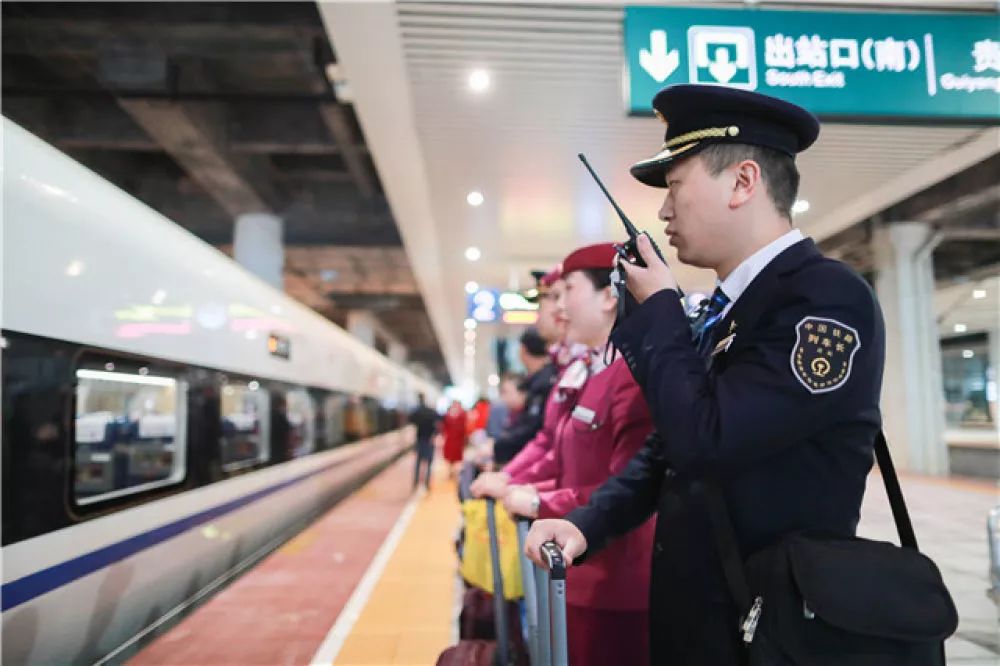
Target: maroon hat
550, 278
601, 255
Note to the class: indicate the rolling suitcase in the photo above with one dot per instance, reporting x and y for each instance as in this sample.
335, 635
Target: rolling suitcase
545, 602
480, 652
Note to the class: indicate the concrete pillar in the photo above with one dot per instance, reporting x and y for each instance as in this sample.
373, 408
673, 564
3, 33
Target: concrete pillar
361, 324
993, 376
912, 389
257, 246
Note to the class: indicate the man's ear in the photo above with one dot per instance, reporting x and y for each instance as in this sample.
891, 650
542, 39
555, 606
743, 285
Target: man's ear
748, 179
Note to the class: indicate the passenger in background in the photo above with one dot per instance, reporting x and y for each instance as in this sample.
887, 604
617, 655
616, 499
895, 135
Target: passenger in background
499, 416
607, 598
535, 390
426, 420
453, 427
479, 416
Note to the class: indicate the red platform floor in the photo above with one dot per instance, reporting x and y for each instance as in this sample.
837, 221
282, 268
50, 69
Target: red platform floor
281, 611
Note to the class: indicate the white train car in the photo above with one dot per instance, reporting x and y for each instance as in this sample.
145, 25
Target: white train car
168, 418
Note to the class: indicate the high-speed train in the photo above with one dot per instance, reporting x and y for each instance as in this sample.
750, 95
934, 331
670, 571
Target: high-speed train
168, 418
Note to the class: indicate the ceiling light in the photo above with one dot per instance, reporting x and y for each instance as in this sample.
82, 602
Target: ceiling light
493, 380
159, 297
968, 353
470, 336
479, 80
800, 206
473, 253
74, 269
471, 287
961, 328
978, 293
470, 324
475, 198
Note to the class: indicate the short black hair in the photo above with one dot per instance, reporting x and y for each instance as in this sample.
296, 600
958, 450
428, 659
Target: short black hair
533, 342
599, 277
781, 176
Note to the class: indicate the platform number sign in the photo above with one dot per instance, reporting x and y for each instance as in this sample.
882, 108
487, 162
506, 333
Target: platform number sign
484, 306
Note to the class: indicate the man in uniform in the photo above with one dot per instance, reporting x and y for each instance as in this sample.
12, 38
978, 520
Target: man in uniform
773, 400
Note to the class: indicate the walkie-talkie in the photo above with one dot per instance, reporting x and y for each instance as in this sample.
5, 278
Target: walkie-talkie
627, 250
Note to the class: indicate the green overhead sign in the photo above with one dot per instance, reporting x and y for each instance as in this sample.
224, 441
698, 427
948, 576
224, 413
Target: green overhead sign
836, 64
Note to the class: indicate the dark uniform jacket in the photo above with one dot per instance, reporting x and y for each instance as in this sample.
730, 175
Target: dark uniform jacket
529, 421
783, 420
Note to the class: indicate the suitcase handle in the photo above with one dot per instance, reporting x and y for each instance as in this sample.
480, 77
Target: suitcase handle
552, 554
554, 559
532, 604
499, 600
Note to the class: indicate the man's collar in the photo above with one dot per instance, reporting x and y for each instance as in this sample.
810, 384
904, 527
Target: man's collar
736, 282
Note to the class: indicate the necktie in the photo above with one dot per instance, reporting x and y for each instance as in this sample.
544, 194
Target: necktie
710, 316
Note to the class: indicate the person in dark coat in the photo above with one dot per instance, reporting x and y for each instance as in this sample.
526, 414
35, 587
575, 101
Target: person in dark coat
425, 419
774, 397
536, 386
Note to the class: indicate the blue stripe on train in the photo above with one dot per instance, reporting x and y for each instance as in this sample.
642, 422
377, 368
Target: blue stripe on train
34, 585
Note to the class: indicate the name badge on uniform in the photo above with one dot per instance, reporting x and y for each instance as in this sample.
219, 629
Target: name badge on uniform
581, 413
724, 344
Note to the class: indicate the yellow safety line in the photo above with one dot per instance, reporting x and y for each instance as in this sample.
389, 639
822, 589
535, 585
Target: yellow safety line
408, 617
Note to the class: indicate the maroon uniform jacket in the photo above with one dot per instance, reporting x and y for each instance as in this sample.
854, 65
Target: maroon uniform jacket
592, 442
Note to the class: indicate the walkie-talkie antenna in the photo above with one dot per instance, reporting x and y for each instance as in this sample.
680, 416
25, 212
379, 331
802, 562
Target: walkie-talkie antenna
629, 250
629, 227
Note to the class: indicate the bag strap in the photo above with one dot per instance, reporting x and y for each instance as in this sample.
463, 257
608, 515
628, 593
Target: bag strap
907, 537
729, 551
725, 536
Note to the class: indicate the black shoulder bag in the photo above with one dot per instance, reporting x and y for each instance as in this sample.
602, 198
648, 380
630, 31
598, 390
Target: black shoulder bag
821, 600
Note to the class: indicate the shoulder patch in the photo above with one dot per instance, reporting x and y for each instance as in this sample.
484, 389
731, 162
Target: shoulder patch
823, 353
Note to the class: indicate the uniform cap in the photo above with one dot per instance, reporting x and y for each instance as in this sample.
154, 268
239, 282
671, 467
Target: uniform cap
543, 282
601, 255
699, 115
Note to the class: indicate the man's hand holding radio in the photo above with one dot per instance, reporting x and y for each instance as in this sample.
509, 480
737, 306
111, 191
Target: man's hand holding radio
644, 282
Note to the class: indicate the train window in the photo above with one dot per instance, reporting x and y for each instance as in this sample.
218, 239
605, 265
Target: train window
334, 411
356, 424
130, 433
245, 425
301, 412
